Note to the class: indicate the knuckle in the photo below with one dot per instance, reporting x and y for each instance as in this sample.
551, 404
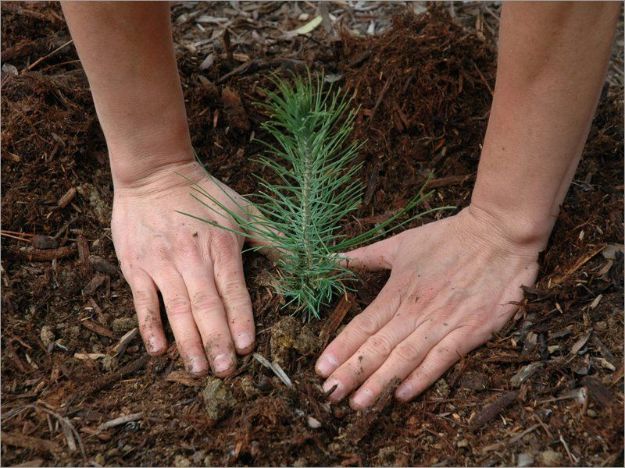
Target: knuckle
203, 301
144, 301
366, 324
223, 245
161, 248
178, 306
380, 344
234, 291
406, 352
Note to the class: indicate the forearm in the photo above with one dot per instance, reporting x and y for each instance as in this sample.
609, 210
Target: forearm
127, 52
551, 67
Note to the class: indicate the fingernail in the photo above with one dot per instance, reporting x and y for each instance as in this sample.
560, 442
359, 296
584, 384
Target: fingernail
332, 389
244, 340
363, 398
326, 365
222, 363
402, 393
152, 346
194, 365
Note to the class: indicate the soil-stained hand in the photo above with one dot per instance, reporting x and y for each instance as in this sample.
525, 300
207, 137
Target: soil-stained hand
196, 267
453, 283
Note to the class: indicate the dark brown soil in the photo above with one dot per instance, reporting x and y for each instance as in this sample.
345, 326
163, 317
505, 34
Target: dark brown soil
423, 88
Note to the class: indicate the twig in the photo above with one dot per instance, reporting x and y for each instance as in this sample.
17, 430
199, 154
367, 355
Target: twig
119, 421
275, 367
45, 57
568, 452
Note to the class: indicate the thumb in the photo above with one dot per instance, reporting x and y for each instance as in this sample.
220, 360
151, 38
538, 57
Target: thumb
377, 256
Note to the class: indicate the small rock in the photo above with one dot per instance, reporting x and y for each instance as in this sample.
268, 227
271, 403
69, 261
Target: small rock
525, 459
47, 337
549, 458
181, 461
109, 363
300, 462
123, 324
100, 460
313, 423
197, 457
474, 381
218, 399
553, 349
441, 388
462, 443
9, 69
592, 413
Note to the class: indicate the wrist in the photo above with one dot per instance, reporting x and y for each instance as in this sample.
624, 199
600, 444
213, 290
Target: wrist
518, 231
135, 160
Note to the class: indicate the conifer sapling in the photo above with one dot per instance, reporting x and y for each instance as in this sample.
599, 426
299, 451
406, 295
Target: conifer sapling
301, 215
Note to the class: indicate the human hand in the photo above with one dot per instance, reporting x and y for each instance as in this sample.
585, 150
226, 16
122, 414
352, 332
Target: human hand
196, 267
453, 283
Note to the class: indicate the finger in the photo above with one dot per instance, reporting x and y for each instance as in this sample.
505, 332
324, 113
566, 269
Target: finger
210, 316
440, 358
402, 360
230, 283
146, 304
377, 256
363, 326
181, 320
368, 358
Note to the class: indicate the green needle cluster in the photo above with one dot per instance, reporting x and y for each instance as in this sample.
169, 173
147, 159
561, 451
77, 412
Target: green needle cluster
317, 187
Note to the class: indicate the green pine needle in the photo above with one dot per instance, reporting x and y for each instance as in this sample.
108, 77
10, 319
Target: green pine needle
318, 188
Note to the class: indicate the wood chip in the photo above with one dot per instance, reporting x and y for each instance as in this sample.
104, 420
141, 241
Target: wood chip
124, 341
101, 265
579, 344
40, 255
525, 373
491, 411
96, 328
275, 367
120, 421
44, 242
183, 378
336, 317
89, 356
16, 439
92, 286
67, 197
559, 279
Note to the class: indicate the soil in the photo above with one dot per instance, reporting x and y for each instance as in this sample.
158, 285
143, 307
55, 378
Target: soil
548, 390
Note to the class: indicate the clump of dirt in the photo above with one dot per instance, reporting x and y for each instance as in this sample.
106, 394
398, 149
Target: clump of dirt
218, 399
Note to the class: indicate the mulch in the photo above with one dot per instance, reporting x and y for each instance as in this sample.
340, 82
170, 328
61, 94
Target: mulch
77, 386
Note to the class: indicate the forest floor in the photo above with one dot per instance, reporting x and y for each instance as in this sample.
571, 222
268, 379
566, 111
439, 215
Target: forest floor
548, 390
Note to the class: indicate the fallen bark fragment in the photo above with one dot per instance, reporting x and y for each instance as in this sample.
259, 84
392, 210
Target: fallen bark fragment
33, 443
40, 255
96, 328
492, 410
120, 421
336, 317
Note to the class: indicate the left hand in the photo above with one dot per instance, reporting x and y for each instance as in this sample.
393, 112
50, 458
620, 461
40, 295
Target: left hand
453, 283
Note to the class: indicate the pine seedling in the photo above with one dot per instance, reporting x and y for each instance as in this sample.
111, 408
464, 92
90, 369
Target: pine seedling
301, 215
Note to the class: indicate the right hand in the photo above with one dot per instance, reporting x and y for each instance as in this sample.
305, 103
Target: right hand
197, 267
